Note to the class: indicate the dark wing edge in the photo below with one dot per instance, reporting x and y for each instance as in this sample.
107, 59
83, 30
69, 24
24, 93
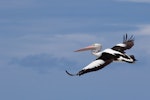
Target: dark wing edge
84, 71
129, 42
71, 74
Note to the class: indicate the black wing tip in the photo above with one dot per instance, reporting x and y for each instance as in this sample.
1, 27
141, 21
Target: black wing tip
125, 38
71, 74
131, 38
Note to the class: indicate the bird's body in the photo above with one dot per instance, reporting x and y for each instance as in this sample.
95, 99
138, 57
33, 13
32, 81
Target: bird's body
105, 57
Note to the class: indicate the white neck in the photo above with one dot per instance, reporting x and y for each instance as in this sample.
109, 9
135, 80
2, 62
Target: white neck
96, 53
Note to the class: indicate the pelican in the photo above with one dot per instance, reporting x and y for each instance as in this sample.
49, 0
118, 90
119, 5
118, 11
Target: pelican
107, 56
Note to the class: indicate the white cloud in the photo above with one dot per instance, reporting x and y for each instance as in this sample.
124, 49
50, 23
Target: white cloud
15, 3
34, 50
142, 30
142, 35
57, 45
43, 62
137, 1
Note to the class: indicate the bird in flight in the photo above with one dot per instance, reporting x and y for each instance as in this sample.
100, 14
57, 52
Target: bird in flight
107, 56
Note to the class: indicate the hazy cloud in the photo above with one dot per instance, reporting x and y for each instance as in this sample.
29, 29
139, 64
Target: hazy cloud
57, 45
41, 35
143, 29
43, 62
16, 3
137, 1
142, 34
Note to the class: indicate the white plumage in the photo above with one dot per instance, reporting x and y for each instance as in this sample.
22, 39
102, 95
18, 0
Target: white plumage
95, 63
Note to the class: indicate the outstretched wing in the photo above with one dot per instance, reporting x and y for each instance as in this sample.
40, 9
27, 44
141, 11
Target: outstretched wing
127, 44
95, 65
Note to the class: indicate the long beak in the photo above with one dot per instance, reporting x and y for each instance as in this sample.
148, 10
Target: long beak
85, 49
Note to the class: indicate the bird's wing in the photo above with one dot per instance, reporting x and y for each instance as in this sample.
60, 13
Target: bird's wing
127, 44
94, 66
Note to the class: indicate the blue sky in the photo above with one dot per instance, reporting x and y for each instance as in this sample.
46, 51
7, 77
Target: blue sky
37, 40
